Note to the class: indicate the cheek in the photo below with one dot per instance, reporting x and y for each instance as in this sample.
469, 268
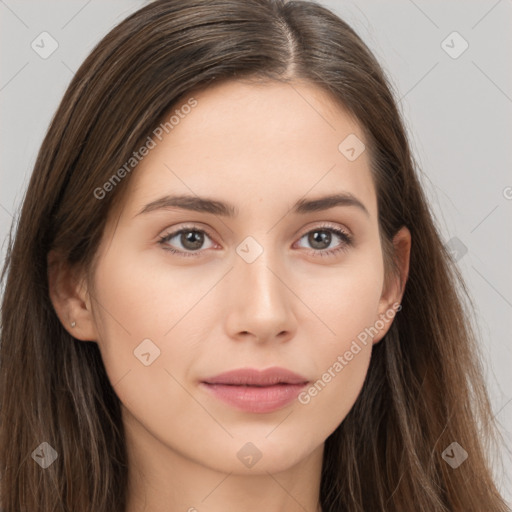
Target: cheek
149, 319
341, 371
133, 309
341, 364
349, 311
138, 299
346, 299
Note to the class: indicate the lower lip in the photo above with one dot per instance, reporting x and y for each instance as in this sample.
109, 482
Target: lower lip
254, 398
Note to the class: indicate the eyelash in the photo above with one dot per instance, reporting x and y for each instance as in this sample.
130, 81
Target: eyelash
347, 241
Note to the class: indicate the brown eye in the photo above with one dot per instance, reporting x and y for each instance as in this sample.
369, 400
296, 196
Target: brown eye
192, 240
320, 239
188, 241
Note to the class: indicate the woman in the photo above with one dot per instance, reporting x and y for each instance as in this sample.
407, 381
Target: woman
226, 290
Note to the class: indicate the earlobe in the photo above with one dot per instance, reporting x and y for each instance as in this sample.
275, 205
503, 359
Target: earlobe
70, 299
394, 289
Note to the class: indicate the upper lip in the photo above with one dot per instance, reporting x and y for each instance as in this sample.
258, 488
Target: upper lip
254, 377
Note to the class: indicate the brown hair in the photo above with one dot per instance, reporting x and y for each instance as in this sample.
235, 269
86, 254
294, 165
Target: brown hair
424, 387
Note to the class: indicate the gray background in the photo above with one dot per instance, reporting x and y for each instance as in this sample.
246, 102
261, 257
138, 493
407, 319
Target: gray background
457, 111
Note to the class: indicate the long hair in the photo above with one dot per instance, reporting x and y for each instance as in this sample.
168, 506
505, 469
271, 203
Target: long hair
424, 389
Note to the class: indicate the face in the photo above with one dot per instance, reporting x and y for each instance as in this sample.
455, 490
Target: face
267, 277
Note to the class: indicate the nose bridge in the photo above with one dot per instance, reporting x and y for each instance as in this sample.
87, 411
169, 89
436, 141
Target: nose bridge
260, 300
256, 267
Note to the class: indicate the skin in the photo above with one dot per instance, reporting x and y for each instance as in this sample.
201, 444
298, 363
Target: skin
260, 147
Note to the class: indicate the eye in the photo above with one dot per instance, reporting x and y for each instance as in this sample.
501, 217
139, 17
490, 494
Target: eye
320, 240
191, 240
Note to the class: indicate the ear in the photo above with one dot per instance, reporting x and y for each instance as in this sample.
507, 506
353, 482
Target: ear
70, 298
394, 286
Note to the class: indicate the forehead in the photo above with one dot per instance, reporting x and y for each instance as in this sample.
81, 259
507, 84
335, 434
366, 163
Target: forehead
245, 140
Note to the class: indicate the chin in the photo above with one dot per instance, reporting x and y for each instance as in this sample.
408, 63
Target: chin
260, 455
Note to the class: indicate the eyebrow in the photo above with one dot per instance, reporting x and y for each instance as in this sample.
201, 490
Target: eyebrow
216, 207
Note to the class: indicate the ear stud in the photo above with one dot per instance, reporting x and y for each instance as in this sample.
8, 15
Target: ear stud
73, 324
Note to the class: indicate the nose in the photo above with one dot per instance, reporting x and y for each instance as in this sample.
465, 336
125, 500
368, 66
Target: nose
261, 304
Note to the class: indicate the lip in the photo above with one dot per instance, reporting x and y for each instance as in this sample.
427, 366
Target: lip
257, 391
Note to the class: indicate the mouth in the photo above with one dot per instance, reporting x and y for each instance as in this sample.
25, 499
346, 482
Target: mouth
256, 391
